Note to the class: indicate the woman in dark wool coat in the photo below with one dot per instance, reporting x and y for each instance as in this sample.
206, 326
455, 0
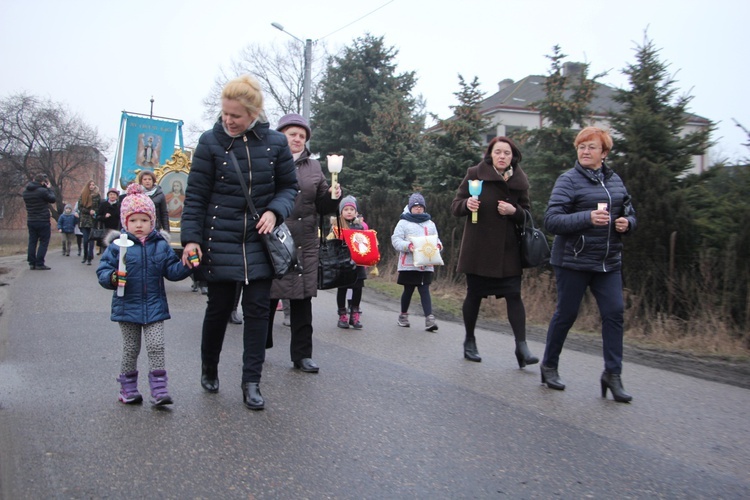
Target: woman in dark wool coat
217, 225
314, 198
490, 252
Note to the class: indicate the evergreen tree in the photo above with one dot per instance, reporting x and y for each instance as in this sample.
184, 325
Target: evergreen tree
394, 149
721, 236
360, 92
457, 146
651, 154
548, 151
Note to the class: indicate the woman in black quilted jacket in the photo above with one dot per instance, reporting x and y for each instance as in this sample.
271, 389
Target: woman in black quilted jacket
588, 212
217, 225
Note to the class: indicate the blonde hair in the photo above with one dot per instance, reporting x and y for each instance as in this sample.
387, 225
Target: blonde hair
336, 230
245, 90
593, 133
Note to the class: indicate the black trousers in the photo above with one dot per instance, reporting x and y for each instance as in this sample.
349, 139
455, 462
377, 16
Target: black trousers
39, 236
607, 290
300, 317
255, 300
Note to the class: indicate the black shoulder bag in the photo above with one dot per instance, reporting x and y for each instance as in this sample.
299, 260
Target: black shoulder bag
279, 243
336, 269
534, 247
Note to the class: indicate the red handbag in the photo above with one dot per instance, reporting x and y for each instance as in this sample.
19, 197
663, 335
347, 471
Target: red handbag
363, 245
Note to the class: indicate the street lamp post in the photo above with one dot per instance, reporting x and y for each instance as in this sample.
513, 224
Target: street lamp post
306, 85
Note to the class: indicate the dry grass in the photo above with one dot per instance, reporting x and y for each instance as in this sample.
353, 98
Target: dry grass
14, 242
706, 335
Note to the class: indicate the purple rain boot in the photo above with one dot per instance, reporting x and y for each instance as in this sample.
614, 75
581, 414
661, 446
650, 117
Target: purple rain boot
157, 379
129, 388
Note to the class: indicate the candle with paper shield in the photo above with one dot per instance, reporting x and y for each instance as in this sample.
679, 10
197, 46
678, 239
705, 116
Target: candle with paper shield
335, 162
475, 189
123, 242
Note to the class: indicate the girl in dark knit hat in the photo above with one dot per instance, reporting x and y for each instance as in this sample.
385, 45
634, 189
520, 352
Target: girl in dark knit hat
350, 219
415, 221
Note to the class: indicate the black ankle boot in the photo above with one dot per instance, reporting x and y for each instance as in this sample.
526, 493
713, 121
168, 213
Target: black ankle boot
613, 382
251, 396
551, 378
470, 351
524, 356
210, 378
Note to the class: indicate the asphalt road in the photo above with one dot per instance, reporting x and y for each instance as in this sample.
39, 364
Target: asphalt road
393, 413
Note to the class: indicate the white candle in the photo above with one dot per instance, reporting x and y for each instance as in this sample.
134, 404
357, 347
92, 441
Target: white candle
123, 242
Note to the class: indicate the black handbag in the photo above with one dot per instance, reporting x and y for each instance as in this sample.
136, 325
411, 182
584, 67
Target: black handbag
97, 231
279, 244
534, 247
336, 269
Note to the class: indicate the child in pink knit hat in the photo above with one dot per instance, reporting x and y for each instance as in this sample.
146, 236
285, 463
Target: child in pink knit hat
143, 307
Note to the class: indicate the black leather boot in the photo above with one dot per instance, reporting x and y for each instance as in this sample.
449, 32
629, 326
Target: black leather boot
470, 351
613, 382
551, 378
524, 356
210, 378
251, 396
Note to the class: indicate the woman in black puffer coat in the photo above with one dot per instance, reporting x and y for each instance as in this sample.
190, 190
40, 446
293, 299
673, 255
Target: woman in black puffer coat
588, 212
217, 225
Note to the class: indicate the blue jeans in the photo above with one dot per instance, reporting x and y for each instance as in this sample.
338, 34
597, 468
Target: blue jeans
607, 290
255, 302
88, 244
39, 235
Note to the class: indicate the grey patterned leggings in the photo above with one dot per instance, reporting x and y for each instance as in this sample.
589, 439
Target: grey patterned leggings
131, 345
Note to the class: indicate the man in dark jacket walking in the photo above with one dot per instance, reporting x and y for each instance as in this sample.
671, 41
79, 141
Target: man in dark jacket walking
37, 196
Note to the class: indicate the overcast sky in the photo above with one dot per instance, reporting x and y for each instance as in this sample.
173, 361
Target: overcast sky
102, 57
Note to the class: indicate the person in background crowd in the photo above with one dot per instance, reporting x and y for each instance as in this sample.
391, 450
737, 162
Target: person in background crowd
217, 226
490, 250
88, 206
147, 179
589, 211
77, 230
314, 198
37, 196
109, 211
66, 224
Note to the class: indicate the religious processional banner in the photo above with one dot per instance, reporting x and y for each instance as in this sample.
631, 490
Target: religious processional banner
145, 144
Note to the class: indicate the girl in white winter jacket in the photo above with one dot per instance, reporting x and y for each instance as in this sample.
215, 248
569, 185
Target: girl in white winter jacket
414, 222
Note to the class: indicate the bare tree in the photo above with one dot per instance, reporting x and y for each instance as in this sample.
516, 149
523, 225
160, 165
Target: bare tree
41, 136
281, 72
